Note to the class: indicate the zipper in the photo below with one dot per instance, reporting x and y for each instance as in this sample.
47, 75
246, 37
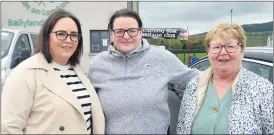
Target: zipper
126, 63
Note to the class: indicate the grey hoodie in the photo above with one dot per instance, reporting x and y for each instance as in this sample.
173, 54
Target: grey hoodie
133, 87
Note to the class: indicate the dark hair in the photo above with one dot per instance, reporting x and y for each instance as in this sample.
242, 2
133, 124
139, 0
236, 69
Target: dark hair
44, 34
125, 13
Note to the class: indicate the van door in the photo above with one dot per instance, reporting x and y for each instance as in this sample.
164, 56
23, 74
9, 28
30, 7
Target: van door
33, 37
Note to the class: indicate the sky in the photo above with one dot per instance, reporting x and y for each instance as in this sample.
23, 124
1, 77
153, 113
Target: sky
200, 17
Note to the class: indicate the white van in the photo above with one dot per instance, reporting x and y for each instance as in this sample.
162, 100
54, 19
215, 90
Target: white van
15, 46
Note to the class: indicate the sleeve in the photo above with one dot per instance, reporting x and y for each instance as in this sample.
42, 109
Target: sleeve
185, 107
267, 109
16, 104
90, 69
91, 74
179, 73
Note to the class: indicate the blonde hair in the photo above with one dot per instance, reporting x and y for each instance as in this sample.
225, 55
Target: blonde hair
226, 30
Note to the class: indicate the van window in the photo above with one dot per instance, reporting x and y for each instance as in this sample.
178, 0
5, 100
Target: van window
6, 40
202, 66
21, 51
259, 69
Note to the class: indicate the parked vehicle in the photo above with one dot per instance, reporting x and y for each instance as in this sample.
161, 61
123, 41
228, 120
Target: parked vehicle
16, 46
256, 59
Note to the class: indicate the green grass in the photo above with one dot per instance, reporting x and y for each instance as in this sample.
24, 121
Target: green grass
253, 38
181, 56
262, 32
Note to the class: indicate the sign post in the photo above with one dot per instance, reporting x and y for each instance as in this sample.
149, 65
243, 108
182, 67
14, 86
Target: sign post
188, 45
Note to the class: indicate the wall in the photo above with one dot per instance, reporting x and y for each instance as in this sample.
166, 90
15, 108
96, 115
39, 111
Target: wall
30, 16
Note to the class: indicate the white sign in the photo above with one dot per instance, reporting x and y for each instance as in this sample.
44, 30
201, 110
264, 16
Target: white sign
166, 33
105, 42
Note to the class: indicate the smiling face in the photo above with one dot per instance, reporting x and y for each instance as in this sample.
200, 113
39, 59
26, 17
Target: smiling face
61, 48
126, 43
225, 64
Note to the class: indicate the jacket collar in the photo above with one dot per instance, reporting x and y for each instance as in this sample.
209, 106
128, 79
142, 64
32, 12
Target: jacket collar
205, 76
141, 47
203, 82
40, 62
54, 83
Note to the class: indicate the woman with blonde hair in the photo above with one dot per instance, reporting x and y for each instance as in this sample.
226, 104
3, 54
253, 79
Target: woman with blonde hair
226, 98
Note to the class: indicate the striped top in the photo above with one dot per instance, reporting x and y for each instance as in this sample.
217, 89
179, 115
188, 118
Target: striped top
72, 80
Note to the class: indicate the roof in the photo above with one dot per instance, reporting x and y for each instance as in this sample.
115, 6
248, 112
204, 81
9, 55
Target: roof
259, 48
260, 53
17, 30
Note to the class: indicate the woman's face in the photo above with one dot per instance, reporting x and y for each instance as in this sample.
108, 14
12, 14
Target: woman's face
62, 46
225, 61
128, 41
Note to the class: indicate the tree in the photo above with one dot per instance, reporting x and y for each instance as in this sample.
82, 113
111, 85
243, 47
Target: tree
184, 44
201, 43
177, 44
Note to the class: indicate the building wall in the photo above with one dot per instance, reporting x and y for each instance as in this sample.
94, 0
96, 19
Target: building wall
92, 15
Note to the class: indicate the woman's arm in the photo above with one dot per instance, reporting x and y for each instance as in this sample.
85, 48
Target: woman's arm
16, 103
266, 106
187, 107
179, 73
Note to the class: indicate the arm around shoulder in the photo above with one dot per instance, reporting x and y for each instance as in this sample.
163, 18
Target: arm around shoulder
180, 74
95, 60
95, 64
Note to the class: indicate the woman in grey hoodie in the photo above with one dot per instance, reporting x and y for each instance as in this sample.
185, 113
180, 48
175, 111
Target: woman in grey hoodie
132, 78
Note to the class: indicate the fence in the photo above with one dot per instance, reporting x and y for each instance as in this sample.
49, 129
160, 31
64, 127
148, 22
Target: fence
182, 54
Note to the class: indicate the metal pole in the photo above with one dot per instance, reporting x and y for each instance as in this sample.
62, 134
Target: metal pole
188, 42
133, 5
231, 15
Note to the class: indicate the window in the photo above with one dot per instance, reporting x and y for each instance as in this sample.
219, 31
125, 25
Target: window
21, 51
202, 66
99, 40
259, 69
255, 66
6, 40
